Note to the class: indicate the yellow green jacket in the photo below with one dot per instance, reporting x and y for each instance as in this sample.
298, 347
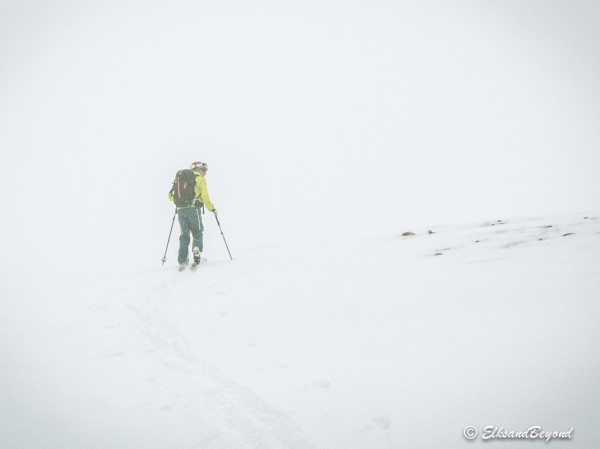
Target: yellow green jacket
201, 192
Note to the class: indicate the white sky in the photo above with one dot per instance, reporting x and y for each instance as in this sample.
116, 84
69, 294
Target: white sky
313, 116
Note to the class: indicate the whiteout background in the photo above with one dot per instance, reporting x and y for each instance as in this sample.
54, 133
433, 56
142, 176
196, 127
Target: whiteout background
310, 115
317, 119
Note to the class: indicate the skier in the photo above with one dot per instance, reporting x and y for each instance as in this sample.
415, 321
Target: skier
190, 218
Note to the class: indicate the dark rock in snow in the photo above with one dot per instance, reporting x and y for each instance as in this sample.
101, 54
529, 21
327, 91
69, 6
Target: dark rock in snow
568, 233
408, 234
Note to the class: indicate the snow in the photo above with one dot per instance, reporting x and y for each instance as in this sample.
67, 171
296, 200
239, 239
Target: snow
336, 343
329, 129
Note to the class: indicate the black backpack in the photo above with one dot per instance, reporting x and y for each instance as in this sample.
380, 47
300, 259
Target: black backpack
184, 188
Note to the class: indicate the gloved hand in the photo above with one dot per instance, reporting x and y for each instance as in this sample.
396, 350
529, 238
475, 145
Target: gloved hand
214, 211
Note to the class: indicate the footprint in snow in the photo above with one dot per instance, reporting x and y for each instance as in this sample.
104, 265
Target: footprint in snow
322, 384
383, 422
318, 385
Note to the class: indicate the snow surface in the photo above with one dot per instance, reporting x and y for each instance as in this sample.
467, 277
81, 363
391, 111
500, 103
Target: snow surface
370, 342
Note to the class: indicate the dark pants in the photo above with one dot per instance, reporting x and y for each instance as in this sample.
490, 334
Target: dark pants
190, 221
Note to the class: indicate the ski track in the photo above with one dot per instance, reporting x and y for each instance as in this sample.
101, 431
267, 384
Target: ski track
254, 424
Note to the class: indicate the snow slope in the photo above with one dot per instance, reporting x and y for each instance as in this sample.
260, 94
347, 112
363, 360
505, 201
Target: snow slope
372, 342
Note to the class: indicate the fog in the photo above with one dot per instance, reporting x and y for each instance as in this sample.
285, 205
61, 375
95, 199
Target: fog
316, 118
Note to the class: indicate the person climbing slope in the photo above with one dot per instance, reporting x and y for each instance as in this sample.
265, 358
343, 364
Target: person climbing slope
190, 195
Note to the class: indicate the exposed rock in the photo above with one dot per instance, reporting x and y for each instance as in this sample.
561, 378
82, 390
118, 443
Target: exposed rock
439, 254
568, 233
408, 234
430, 232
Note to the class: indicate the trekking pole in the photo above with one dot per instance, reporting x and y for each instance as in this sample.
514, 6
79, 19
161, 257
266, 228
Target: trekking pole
227, 246
164, 259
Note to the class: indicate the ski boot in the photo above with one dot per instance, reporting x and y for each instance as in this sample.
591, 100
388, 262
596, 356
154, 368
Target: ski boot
183, 265
196, 252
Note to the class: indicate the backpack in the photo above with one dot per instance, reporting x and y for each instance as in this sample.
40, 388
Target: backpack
184, 188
